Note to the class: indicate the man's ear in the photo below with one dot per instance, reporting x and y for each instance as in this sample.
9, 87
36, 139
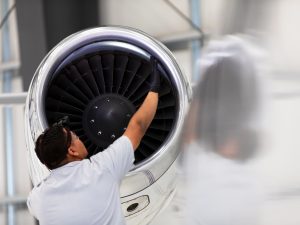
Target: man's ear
72, 151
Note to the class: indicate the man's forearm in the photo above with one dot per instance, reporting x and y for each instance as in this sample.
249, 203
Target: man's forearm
147, 110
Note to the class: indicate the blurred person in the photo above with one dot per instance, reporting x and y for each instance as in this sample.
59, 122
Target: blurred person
221, 136
86, 191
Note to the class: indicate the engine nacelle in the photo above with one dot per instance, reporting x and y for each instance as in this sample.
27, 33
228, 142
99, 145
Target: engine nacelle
107, 69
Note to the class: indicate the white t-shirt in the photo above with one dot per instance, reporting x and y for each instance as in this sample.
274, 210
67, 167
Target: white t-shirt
84, 192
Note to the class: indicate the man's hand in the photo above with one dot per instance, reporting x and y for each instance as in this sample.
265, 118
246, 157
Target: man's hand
155, 78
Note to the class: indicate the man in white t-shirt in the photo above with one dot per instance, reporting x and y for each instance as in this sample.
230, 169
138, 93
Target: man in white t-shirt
86, 191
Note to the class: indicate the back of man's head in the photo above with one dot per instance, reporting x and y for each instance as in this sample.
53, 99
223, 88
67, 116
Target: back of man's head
52, 146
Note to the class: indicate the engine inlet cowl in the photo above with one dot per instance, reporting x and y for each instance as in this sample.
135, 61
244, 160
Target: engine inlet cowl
98, 78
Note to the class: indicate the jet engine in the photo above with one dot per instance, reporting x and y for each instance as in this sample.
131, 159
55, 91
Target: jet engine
105, 71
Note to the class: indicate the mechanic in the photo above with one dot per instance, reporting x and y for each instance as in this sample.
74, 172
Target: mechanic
86, 191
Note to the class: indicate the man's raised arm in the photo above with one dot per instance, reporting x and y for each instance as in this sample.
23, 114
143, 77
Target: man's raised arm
143, 117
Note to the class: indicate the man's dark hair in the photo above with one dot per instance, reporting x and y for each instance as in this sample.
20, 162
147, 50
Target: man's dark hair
52, 146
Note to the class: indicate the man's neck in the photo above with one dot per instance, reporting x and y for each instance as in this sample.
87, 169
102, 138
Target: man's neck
67, 160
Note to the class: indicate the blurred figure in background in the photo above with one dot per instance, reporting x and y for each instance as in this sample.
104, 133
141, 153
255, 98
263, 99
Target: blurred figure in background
221, 136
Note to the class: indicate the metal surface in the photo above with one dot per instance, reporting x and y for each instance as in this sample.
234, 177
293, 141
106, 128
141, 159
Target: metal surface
196, 44
146, 174
13, 200
13, 98
9, 66
182, 37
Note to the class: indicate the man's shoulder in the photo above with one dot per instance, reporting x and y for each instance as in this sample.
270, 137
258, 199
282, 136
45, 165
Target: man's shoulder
35, 194
120, 149
37, 189
123, 142
116, 158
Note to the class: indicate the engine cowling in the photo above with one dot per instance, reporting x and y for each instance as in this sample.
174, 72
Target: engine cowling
98, 78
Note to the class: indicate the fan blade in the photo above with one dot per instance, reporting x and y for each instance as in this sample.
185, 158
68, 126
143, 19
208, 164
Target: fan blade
108, 71
74, 75
166, 101
59, 106
62, 95
140, 78
96, 67
165, 113
164, 125
59, 115
157, 134
131, 69
119, 71
138, 156
87, 75
64, 83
